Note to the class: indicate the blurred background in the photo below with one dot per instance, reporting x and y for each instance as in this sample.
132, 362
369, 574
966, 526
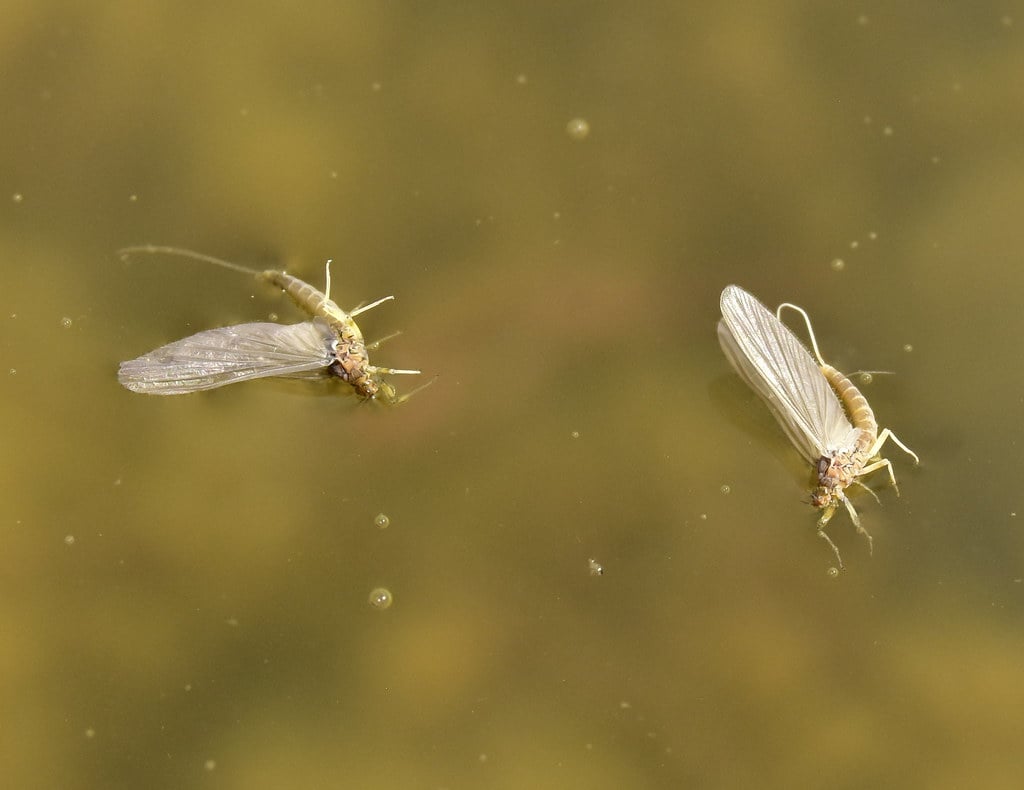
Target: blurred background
556, 194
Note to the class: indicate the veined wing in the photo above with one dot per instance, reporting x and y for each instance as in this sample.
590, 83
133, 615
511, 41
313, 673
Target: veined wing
776, 365
232, 353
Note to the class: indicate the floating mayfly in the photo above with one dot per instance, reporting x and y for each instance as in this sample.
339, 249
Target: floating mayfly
825, 416
331, 344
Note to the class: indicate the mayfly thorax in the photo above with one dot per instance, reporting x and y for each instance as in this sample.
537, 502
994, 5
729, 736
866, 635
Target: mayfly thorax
824, 414
331, 344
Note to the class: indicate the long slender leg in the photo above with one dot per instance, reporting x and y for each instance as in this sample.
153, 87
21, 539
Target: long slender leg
860, 528
867, 488
887, 434
356, 311
390, 371
822, 522
878, 465
378, 343
388, 395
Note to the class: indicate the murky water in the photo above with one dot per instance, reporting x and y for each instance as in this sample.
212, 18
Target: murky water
194, 590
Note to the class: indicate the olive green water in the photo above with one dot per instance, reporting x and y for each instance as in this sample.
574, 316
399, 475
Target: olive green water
185, 582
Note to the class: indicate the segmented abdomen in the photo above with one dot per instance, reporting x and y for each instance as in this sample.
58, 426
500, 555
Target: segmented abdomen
855, 404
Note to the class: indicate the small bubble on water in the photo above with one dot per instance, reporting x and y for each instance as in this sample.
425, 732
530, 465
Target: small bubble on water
133, 198
908, 348
381, 521
380, 598
17, 197
725, 489
578, 129
596, 568
854, 244
69, 540
833, 572
210, 765
13, 371
872, 235
888, 131
838, 264
66, 322
575, 434
866, 378
90, 732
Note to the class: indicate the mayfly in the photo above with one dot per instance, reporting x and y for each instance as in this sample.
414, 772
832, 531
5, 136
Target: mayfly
330, 344
825, 416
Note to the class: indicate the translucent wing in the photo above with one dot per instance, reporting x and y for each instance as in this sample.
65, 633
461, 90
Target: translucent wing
776, 365
232, 353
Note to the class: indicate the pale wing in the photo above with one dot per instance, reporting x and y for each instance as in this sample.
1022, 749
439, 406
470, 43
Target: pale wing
232, 353
776, 365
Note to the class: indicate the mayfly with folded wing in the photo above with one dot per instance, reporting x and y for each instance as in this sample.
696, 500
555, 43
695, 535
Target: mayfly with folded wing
329, 345
824, 415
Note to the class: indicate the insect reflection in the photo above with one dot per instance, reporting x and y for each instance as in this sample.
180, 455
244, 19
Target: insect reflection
825, 416
331, 344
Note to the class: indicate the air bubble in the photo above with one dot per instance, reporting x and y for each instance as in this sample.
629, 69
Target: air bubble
381, 521
380, 598
578, 129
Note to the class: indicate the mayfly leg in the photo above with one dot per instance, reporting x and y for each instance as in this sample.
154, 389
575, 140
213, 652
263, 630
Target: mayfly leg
389, 395
888, 434
380, 342
826, 516
363, 308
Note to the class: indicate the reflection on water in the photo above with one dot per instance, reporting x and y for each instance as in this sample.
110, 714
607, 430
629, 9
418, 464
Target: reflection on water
187, 582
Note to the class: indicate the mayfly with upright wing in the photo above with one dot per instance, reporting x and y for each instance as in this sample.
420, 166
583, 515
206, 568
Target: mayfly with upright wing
329, 345
824, 415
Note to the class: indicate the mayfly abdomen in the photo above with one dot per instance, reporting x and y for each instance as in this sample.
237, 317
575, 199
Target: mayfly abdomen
308, 298
861, 414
